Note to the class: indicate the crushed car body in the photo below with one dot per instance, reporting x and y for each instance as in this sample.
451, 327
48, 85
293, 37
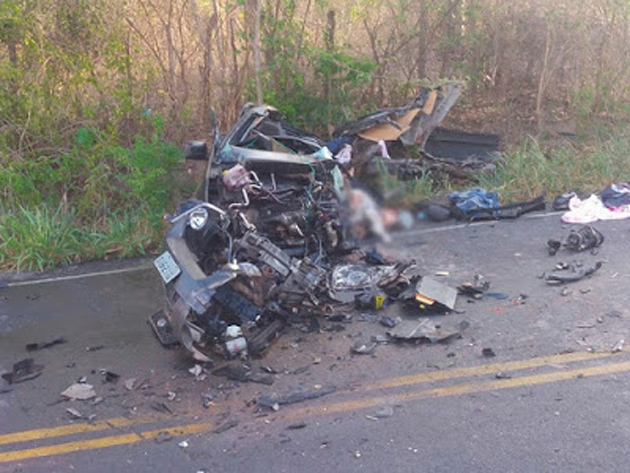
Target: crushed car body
268, 244
259, 250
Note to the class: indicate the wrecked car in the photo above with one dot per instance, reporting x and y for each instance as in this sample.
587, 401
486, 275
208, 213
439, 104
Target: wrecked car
238, 264
265, 247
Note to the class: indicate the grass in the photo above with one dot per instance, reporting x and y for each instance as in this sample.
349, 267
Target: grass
95, 200
42, 237
531, 171
534, 169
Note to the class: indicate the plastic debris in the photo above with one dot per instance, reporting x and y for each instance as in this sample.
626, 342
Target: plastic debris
74, 413
296, 426
79, 391
109, 376
361, 348
129, 384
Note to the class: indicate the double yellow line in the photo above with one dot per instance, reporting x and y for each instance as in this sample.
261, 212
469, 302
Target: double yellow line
89, 444
402, 389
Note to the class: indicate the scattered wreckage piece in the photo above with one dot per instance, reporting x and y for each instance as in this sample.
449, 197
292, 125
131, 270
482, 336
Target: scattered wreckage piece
476, 289
584, 238
163, 329
43, 345
463, 149
429, 295
23, 370
412, 123
80, 391
573, 276
424, 330
430, 292
453, 151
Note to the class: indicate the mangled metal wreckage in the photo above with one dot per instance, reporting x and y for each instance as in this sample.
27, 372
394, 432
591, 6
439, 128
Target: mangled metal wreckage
266, 245
259, 251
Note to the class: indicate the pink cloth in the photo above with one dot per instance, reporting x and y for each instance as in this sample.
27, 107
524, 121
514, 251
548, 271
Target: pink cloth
593, 209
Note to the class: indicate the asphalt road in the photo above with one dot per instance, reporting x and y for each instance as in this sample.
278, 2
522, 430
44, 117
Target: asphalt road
553, 398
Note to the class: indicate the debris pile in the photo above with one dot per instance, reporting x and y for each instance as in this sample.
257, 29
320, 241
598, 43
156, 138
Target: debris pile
275, 239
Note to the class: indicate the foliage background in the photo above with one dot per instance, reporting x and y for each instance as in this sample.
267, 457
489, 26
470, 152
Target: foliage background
94, 93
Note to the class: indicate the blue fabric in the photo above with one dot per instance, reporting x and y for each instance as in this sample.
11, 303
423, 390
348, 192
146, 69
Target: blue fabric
616, 195
474, 199
335, 145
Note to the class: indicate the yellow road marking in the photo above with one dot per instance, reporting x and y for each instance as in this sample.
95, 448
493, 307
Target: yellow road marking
458, 390
71, 429
103, 442
491, 368
334, 407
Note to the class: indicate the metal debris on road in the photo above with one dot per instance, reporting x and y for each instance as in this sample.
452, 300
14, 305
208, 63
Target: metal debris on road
434, 295
23, 370
163, 437
584, 238
488, 352
109, 376
42, 345
424, 330
272, 401
576, 274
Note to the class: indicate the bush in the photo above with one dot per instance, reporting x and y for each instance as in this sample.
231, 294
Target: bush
96, 200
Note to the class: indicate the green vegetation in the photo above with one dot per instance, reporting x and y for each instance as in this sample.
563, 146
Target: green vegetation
96, 200
94, 93
587, 166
